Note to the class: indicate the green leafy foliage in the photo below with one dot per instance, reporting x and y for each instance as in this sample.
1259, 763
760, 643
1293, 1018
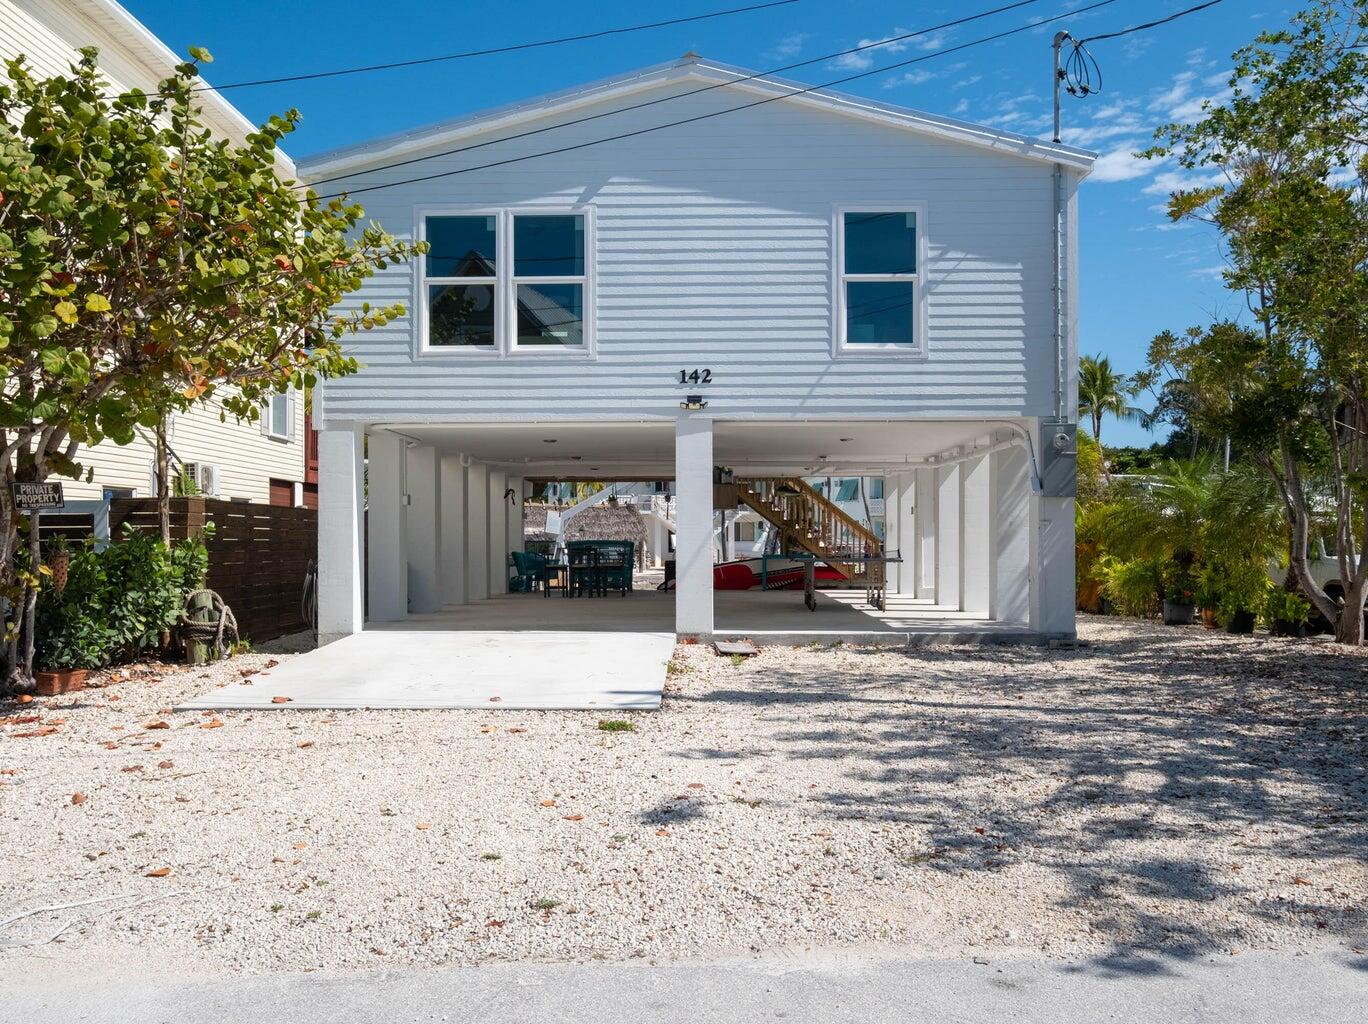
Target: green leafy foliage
147, 266
117, 602
1134, 585
1284, 161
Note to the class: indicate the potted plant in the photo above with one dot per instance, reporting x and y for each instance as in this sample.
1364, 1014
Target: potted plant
1285, 612
1242, 594
75, 630
1208, 596
1180, 603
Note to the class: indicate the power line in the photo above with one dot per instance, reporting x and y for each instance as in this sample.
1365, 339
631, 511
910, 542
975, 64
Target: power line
1151, 24
511, 48
1080, 72
715, 113
877, 44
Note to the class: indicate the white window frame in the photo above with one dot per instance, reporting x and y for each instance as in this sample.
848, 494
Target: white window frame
917, 348
505, 286
268, 420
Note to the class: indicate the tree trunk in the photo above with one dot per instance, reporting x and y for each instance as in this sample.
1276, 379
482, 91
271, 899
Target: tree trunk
163, 484
1349, 628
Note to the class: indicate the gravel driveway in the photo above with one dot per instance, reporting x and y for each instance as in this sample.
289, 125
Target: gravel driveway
1163, 792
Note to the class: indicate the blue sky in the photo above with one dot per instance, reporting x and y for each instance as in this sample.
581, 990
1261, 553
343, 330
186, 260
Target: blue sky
1138, 274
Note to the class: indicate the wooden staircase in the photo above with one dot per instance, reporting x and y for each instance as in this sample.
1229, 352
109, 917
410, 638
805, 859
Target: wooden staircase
808, 521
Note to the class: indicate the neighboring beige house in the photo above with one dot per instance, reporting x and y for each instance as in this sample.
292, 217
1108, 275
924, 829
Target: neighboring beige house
262, 462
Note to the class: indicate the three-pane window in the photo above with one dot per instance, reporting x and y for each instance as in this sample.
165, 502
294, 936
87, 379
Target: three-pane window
878, 256
506, 282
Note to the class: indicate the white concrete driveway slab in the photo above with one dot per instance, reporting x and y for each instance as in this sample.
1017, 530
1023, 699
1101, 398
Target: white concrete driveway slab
487, 669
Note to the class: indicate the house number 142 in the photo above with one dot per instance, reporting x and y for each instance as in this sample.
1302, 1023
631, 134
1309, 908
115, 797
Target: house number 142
695, 376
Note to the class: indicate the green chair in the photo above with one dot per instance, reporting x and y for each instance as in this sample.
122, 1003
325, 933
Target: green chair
533, 567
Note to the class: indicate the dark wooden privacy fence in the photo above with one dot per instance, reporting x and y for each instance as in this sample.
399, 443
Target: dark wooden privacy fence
258, 554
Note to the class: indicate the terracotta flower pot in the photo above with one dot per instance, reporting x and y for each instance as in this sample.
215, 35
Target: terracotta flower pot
1209, 619
62, 680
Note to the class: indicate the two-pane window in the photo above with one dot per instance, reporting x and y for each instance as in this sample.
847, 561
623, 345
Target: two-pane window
880, 291
504, 282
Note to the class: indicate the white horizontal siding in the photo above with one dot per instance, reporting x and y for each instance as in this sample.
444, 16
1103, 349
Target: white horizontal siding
246, 458
714, 248
49, 33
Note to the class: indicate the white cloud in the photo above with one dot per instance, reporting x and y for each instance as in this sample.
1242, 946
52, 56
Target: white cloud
1194, 108
1135, 46
964, 83
866, 49
1178, 181
789, 46
1177, 92
1120, 164
962, 107
869, 49
908, 78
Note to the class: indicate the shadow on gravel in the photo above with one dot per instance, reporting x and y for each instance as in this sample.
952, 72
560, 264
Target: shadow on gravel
1119, 767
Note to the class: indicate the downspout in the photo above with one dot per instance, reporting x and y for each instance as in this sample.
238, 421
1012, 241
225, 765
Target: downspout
1062, 414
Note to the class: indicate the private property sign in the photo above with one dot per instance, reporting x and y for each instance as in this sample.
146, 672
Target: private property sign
30, 497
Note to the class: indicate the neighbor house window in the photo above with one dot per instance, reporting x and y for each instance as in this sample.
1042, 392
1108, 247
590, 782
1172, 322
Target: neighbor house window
506, 281
879, 300
278, 417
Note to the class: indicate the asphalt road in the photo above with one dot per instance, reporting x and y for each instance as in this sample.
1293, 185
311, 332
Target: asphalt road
1245, 989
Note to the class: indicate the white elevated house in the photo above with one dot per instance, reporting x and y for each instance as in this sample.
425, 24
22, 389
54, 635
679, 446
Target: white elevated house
749, 285
264, 461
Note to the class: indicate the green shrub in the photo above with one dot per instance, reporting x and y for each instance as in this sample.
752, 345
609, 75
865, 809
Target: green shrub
1132, 586
1285, 607
117, 602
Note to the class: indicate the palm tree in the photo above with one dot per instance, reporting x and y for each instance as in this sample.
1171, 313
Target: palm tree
1102, 390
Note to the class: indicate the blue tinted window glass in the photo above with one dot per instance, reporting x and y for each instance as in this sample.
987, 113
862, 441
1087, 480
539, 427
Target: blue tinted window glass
548, 246
880, 243
461, 246
461, 314
879, 312
550, 314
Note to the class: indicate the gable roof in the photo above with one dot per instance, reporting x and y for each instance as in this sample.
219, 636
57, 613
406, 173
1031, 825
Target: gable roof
403, 145
157, 58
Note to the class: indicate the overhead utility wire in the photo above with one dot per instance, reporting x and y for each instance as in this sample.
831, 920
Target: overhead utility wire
1151, 24
1080, 72
694, 92
511, 48
717, 113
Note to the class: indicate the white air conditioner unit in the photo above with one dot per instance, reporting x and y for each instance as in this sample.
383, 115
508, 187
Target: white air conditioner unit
206, 477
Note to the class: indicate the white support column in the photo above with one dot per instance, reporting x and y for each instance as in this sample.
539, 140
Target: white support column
1012, 544
514, 540
341, 479
904, 518
424, 530
893, 500
925, 526
977, 539
949, 536
387, 565
498, 533
452, 548
477, 532
1052, 555
694, 521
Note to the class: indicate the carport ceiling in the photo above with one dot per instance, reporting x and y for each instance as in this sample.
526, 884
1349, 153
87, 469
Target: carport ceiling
645, 450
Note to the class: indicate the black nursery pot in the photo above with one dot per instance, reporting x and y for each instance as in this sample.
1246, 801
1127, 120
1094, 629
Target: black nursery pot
1241, 622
